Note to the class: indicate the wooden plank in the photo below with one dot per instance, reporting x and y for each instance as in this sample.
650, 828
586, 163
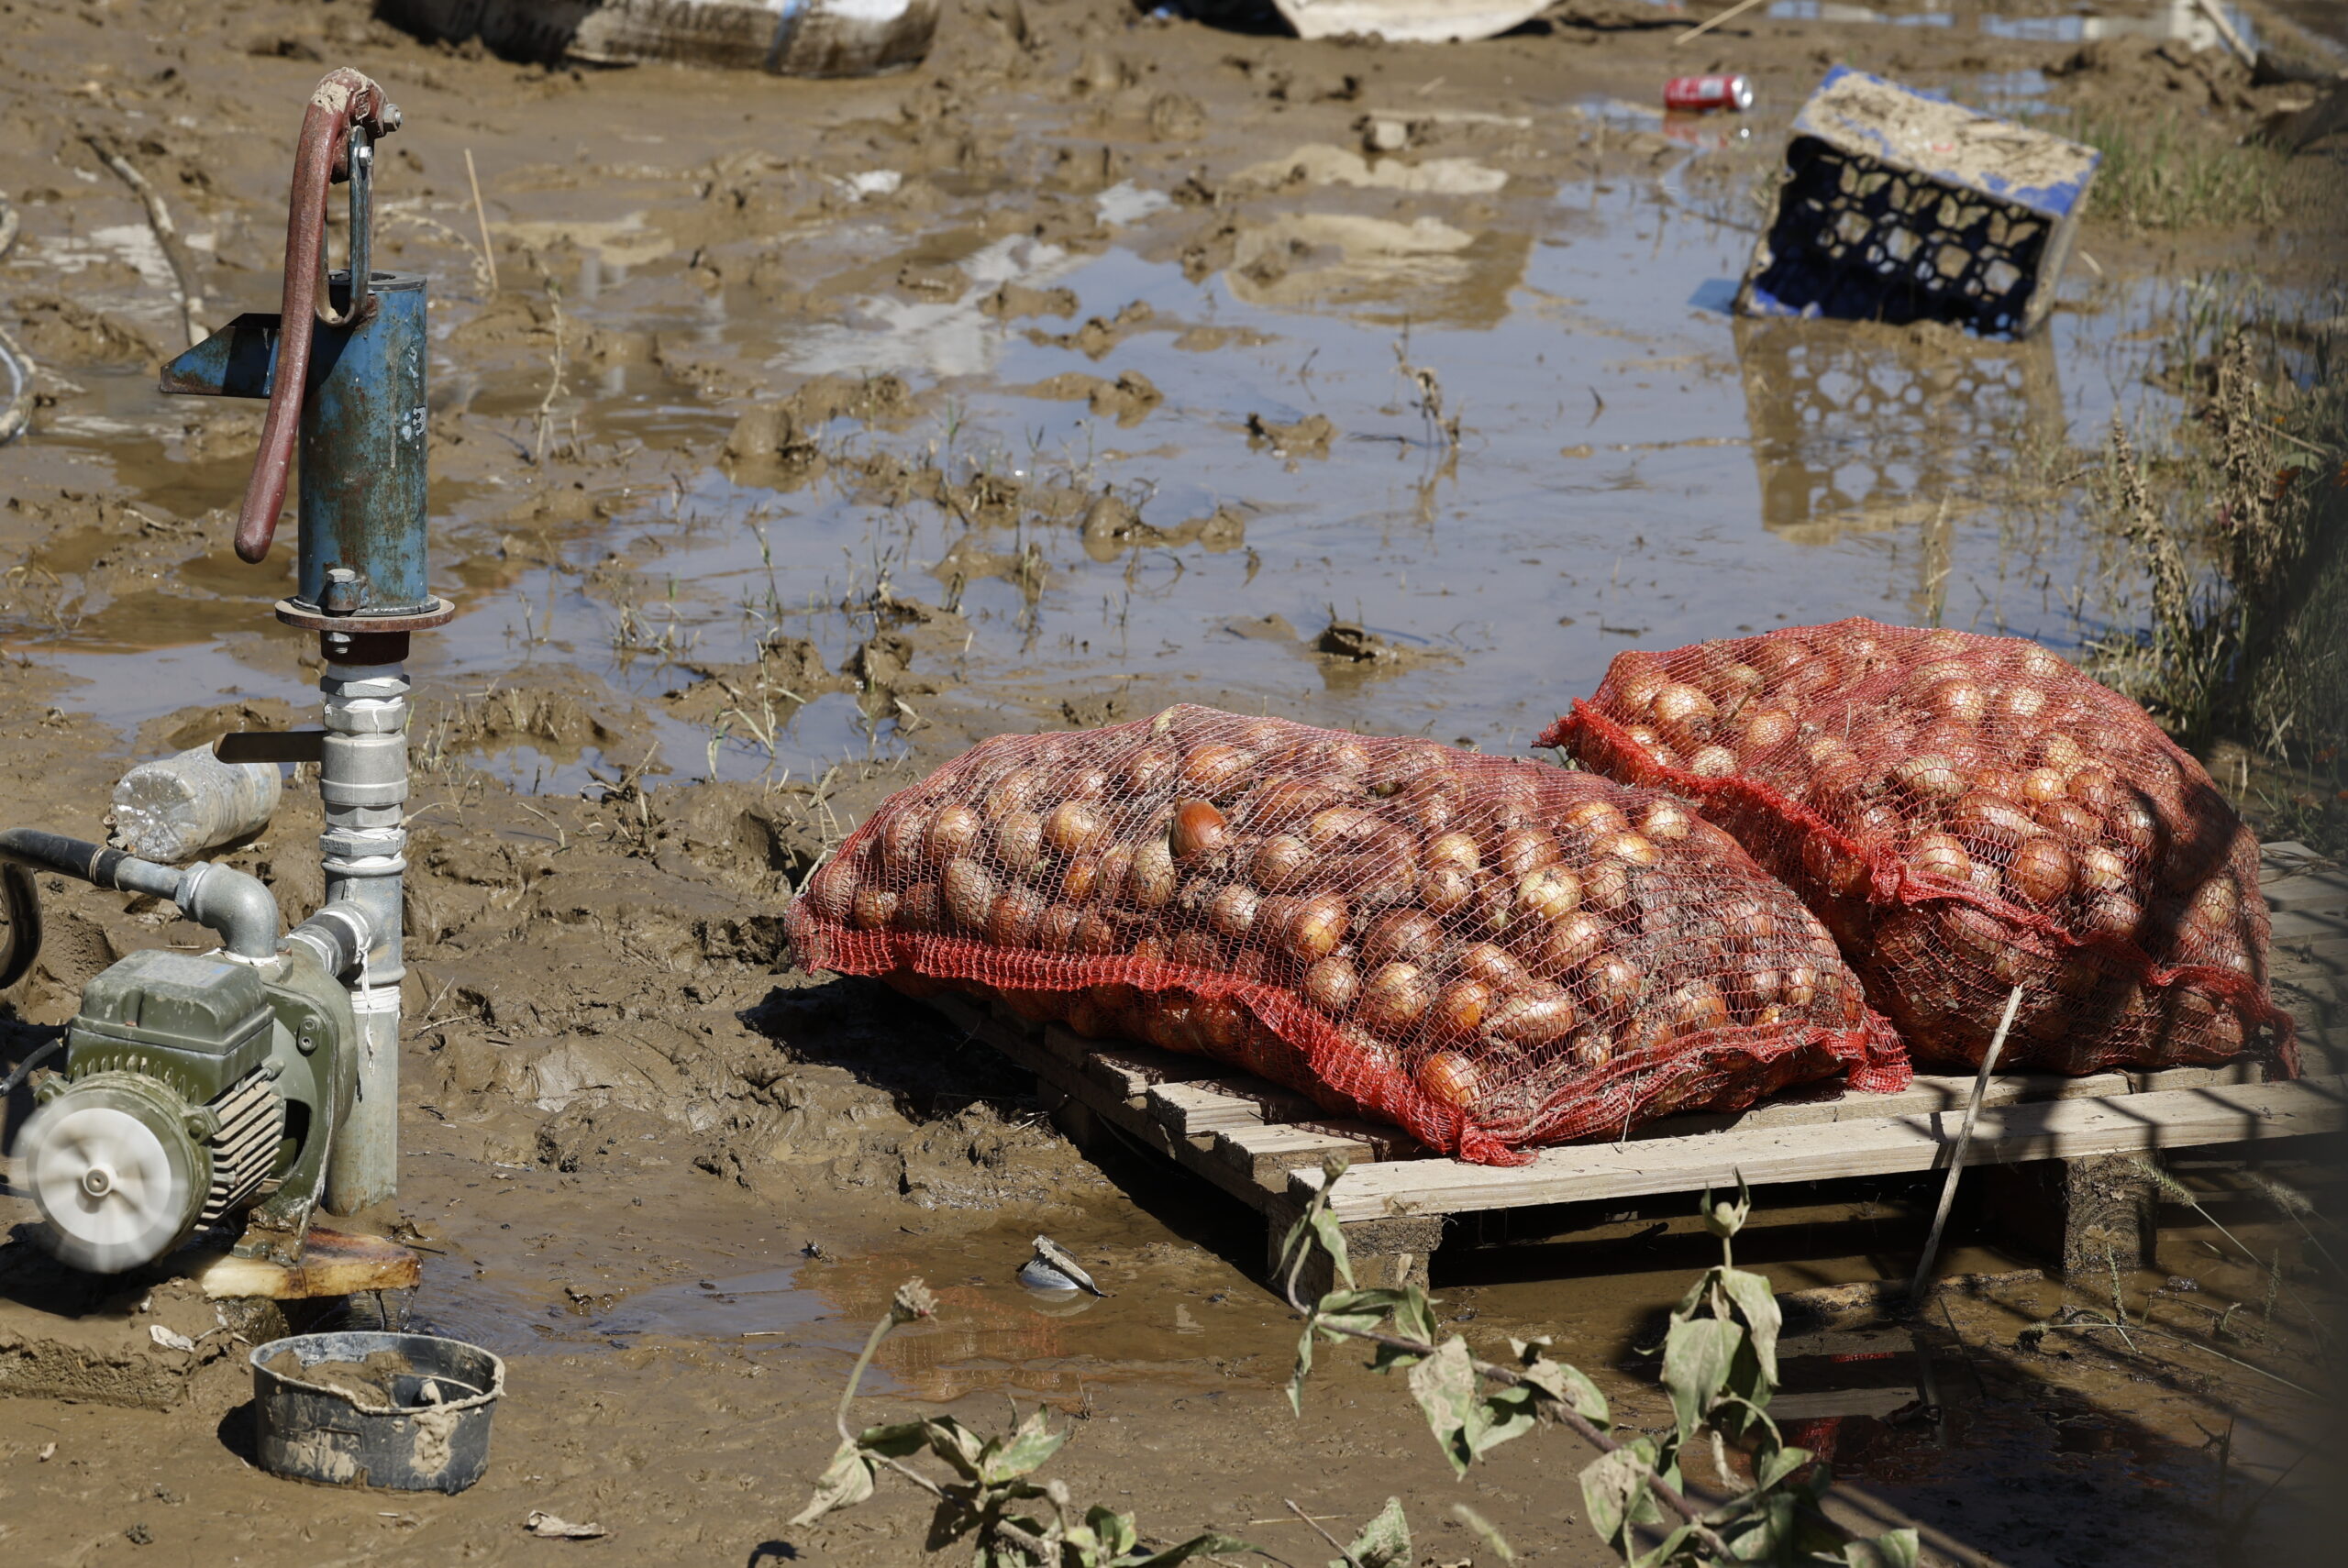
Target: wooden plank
2242, 1072
2309, 890
334, 1263
2295, 926
1210, 1105
2044, 1130
1131, 1071
1267, 1154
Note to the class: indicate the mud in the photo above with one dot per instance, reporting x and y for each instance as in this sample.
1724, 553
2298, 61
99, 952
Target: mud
816, 430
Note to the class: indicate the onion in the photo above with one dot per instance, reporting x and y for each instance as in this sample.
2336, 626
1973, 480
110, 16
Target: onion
2060, 752
1832, 867
1749, 919
1593, 815
1056, 932
1632, 849
2042, 785
1820, 750
1011, 921
2071, 820
2131, 824
1339, 824
1776, 652
1198, 949
1454, 850
831, 893
1148, 949
2018, 704
901, 837
919, 908
1074, 827
1932, 672
1666, 821
1801, 986
2039, 872
1199, 831
1548, 893
1765, 730
1940, 856
1232, 911
1331, 984
1607, 886
1523, 850
1697, 1007
1683, 715
969, 893
1394, 997
1443, 889
1344, 757
1732, 685
2094, 787
1460, 1010
1762, 987
1960, 697
1405, 936
1150, 883
1569, 943
1282, 802
1930, 776
953, 831
2217, 903
1634, 679
1983, 815
1494, 965
1542, 1016
1451, 1079
1214, 771
873, 909
1613, 981
1015, 791
1711, 762
1281, 861
1019, 842
1222, 1023
1081, 877
1314, 930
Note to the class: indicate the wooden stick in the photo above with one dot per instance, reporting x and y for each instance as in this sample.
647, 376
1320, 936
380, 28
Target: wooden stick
2248, 55
481, 216
1742, 7
1963, 1141
167, 239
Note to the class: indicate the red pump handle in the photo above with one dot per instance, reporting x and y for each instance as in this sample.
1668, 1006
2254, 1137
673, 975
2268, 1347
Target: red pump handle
342, 100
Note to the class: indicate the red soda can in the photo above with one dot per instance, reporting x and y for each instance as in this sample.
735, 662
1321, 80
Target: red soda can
1701, 93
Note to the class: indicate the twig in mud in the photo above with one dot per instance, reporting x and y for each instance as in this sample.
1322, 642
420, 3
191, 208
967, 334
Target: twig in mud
18, 410
1338, 1546
1964, 1142
555, 387
1709, 23
481, 216
166, 238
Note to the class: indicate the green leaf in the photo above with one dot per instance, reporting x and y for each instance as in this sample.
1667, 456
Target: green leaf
957, 1444
1384, 1541
1114, 1530
1445, 1386
1562, 1381
1499, 1416
1759, 1304
895, 1441
1897, 1549
846, 1482
1614, 1492
1302, 1370
1198, 1545
1331, 1237
1029, 1447
1697, 1355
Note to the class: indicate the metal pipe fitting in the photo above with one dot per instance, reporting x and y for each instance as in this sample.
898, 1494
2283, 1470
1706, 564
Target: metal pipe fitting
338, 935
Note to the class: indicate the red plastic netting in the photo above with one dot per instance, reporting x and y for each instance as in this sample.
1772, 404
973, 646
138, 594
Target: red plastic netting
1968, 813
1489, 952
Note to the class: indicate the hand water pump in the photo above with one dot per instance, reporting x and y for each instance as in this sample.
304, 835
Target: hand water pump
244, 1086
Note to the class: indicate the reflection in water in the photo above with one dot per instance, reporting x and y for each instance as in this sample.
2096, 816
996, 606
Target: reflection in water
2182, 20
1858, 427
1427, 272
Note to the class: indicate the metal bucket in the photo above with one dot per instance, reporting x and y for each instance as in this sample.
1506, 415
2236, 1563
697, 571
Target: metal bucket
417, 1442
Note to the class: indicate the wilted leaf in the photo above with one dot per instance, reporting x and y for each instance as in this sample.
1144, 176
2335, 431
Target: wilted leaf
1114, 1530
1759, 1304
1198, 1545
846, 1482
1614, 1491
957, 1444
1445, 1386
1563, 1382
1028, 1448
1897, 1549
1697, 1355
1775, 1467
1384, 1541
1499, 1416
897, 1440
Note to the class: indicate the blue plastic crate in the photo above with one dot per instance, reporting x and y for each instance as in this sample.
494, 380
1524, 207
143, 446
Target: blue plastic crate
1899, 206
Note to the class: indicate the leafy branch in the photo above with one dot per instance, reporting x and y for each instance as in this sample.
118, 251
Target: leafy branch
1719, 1365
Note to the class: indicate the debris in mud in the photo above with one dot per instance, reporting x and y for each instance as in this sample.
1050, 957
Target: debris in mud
1011, 300
1344, 639
373, 1381
1128, 399
1053, 1268
549, 1526
1097, 336
1308, 437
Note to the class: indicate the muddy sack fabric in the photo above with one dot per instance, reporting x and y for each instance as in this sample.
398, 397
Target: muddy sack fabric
1967, 814
1491, 953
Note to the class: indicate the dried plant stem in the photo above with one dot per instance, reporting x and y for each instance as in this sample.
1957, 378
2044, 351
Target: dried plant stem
1964, 1143
167, 239
481, 216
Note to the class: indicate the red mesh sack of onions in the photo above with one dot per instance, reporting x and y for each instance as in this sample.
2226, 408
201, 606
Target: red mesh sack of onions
1492, 953
1967, 814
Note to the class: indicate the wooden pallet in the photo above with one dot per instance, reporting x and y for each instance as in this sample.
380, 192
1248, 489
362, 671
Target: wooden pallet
1264, 1143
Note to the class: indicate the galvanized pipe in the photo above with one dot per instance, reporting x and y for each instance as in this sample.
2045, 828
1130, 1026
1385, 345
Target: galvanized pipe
363, 781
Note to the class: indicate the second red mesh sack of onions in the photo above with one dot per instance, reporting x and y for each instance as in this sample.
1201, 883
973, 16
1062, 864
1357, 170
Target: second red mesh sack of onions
1968, 813
1491, 953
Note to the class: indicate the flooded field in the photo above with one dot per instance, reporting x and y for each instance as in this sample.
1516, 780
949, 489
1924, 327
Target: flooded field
789, 436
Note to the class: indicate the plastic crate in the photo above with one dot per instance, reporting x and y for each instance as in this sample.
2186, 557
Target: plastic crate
1899, 206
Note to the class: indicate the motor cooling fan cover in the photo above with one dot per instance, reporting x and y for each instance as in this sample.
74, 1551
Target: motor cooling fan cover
114, 1193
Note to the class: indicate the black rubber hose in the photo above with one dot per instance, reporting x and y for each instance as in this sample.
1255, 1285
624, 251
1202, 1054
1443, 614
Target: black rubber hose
21, 903
87, 862
24, 1068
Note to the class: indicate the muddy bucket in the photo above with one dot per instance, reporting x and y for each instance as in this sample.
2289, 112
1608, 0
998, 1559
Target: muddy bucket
407, 1411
